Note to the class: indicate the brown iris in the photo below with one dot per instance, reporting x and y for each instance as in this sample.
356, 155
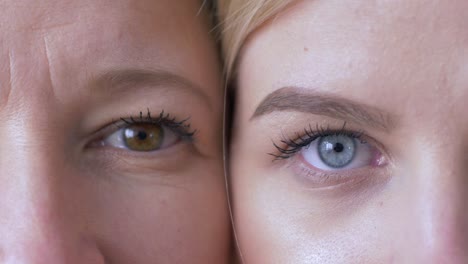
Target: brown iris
143, 137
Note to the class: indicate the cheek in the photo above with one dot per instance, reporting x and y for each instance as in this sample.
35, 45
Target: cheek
136, 221
278, 221
141, 221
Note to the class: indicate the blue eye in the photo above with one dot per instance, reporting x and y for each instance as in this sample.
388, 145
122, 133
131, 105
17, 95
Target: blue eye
330, 150
337, 152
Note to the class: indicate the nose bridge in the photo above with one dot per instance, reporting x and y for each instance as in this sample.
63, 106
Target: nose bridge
440, 207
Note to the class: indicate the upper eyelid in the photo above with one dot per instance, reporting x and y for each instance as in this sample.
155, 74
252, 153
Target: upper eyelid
182, 127
122, 122
359, 134
308, 140
127, 80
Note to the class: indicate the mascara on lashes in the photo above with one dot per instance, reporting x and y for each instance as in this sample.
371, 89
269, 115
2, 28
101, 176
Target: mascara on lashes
182, 128
288, 146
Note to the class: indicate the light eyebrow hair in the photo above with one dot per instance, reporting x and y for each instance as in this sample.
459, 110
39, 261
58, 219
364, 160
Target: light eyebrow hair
127, 80
319, 103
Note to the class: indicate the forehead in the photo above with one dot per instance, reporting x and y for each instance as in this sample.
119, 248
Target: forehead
383, 52
102, 24
71, 39
26, 13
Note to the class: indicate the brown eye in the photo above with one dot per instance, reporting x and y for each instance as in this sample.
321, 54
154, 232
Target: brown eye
143, 137
146, 136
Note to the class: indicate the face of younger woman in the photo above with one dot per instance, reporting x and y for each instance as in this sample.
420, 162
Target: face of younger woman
350, 134
110, 134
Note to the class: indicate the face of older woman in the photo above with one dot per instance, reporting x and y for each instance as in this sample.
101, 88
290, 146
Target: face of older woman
110, 145
350, 135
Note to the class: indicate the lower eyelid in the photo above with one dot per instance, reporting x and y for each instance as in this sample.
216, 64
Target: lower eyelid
118, 162
314, 178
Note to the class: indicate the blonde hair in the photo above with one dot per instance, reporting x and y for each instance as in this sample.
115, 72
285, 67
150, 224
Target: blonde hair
239, 18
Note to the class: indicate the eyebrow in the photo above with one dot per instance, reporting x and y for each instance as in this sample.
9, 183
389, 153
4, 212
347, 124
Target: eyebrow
126, 80
318, 103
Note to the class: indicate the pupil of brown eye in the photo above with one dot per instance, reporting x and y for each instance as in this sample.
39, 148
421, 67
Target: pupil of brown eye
143, 137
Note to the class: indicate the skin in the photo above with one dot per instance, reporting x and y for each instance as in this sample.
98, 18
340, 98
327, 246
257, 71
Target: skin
65, 196
407, 60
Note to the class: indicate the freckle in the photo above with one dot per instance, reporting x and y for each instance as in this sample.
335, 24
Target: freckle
306, 49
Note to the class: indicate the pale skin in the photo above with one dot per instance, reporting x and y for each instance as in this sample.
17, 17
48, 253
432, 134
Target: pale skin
68, 70
405, 63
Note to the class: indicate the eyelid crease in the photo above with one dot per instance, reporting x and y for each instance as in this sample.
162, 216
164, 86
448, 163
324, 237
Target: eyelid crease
308, 101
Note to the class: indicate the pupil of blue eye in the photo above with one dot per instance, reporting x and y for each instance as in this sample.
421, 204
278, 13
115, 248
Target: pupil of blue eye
337, 151
338, 147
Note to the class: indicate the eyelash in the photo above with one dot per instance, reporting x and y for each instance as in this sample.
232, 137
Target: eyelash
182, 128
306, 137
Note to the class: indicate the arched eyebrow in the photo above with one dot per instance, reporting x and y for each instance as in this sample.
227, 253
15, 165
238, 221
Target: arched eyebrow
319, 103
127, 80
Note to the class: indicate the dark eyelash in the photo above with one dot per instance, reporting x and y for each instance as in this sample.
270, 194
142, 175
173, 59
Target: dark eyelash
291, 146
182, 127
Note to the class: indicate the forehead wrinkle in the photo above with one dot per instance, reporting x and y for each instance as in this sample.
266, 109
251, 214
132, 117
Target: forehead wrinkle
43, 16
53, 83
6, 86
51, 26
26, 17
